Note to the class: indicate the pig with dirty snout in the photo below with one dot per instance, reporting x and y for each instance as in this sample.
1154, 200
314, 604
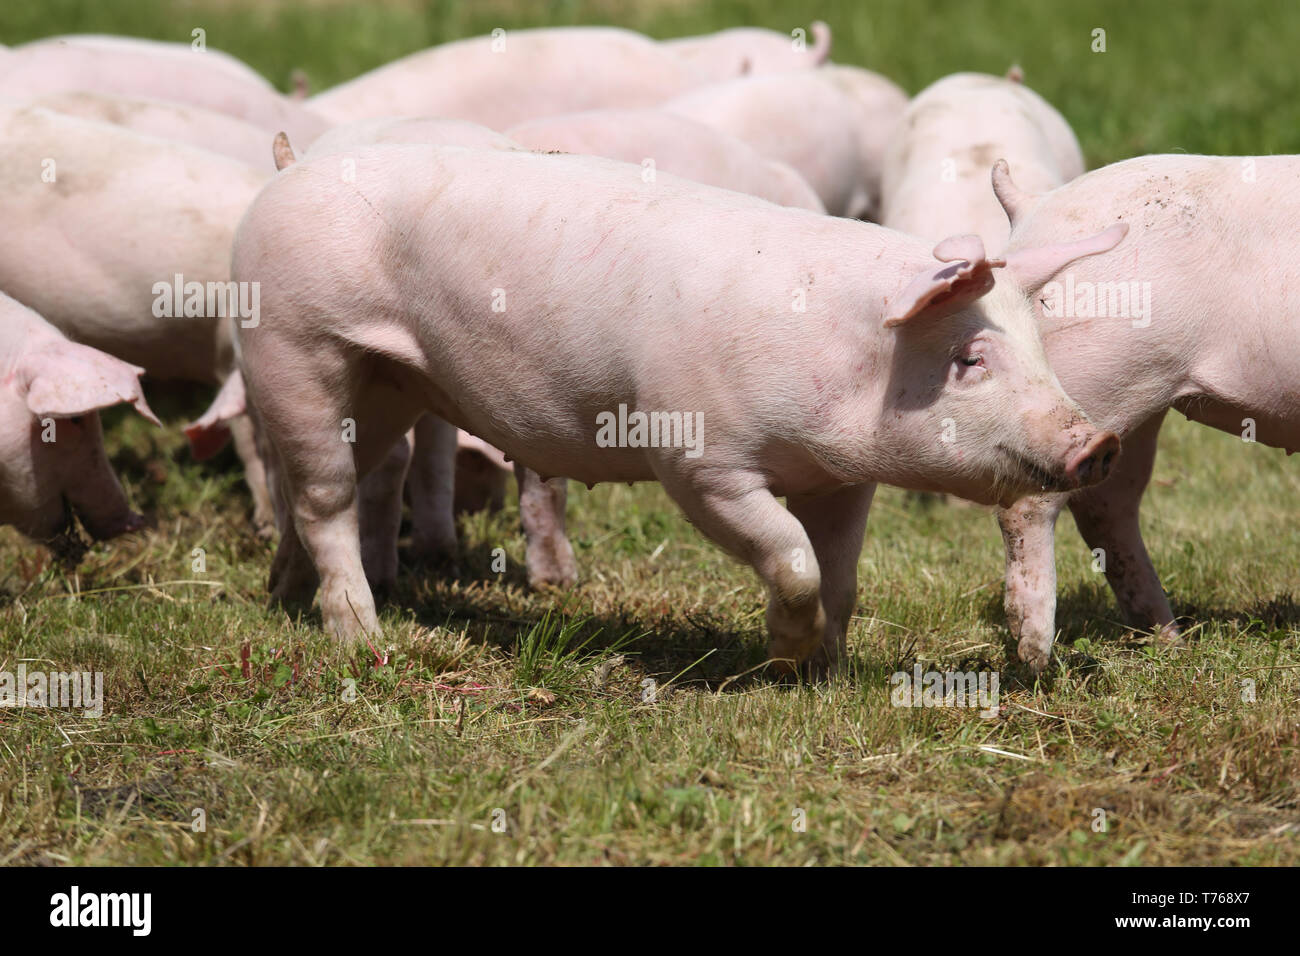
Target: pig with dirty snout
812, 356
52, 461
1198, 311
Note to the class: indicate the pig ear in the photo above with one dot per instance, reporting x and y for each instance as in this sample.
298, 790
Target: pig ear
1016, 203
70, 379
821, 48
1033, 267
209, 433
941, 291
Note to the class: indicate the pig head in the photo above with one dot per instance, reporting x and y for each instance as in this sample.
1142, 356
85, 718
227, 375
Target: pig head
953, 416
52, 461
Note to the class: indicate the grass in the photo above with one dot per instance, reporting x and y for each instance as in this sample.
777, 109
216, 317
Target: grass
623, 723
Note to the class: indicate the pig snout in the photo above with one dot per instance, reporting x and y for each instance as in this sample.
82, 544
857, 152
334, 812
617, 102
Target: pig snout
1092, 463
103, 528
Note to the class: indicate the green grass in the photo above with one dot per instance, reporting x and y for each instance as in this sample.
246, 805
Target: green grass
623, 723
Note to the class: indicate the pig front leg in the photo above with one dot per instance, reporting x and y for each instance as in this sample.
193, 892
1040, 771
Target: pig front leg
835, 524
548, 554
241, 430
380, 503
433, 490
1028, 532
738, 512
1107, 517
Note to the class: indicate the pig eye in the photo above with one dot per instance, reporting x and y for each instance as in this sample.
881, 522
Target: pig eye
972, 361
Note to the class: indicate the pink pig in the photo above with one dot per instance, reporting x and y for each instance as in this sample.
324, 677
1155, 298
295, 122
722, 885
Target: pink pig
673, 144
1149, 327
745, 50
102, 221
402, 129
554, 308
179, 122
164, 71
936, 170
517, 75
52, 461
831, 125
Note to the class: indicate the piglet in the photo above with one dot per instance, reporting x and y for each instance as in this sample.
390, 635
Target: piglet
831, 125
658, 140
165, 71
1196, 312
739, 51
52, 462
516, 75
613, 330
178, 122
936, 170
122, 242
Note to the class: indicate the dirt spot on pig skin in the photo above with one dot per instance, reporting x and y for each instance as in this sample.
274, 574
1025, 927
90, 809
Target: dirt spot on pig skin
983, 155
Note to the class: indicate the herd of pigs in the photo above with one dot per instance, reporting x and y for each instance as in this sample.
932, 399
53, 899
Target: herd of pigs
775, 272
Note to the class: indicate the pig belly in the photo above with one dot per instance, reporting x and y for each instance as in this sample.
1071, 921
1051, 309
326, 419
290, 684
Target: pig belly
558, 443
1272, 428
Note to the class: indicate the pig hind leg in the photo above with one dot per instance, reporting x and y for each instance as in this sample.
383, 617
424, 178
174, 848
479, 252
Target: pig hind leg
835, 524
737, 511
1107, 517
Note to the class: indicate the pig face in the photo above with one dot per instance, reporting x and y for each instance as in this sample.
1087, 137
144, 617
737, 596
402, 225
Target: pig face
971, 396
52, 461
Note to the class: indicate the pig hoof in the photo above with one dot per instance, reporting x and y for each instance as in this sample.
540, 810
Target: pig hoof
265, 530
1170, 635
438, 560
818, 668
546, 580
291, 595
783, 668
789, 659
553, 566
1034, 656
433, 553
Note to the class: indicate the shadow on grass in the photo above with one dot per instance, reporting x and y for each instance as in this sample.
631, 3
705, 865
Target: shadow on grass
699, 647
1279, 613
1087, 612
